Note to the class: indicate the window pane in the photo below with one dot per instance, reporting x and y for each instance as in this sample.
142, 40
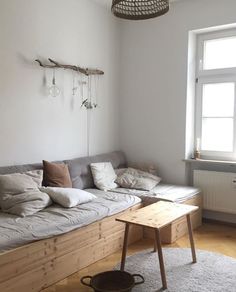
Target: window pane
217, 134
220, 53
218, 100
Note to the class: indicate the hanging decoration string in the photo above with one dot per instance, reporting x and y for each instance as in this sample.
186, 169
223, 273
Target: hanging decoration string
81, 88
74, 87
88, 115
96, 79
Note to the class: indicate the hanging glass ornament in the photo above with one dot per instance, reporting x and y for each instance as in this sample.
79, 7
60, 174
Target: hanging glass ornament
91, 100
81, 84
89, 104
54, 90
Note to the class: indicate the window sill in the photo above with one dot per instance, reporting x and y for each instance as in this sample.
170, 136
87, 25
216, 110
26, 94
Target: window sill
207, 161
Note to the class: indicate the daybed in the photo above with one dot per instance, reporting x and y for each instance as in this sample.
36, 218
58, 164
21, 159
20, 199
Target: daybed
41, 249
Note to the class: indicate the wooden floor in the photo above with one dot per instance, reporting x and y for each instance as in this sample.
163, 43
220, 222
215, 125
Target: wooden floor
212, 237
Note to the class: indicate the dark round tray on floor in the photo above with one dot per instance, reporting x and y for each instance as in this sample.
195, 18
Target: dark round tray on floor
112, 281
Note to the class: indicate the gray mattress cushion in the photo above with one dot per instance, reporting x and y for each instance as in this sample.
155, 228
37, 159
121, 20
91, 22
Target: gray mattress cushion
55, 220
163, 192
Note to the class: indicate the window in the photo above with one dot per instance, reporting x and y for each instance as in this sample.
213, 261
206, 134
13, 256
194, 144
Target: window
219, 53
216, 95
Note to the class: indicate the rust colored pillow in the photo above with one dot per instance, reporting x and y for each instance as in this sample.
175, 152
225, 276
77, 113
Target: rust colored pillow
56, 175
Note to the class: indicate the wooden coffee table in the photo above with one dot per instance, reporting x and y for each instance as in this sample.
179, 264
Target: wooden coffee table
157, 216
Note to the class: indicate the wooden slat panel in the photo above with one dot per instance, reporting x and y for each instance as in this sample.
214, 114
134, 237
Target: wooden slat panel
40, 264
63, 266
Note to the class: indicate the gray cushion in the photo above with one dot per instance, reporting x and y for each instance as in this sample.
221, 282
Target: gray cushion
79, 168
80, 171
20, 168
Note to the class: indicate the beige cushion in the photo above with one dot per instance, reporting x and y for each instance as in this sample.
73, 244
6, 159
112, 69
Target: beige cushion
103, 175
19, 195
145, 166
137, 179
36, 175
120, 171
68, 197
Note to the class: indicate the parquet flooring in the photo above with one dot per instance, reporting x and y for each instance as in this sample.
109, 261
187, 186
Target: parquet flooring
212, 237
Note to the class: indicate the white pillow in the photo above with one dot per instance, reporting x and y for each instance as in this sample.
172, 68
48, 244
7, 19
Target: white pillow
104, 175
68, 197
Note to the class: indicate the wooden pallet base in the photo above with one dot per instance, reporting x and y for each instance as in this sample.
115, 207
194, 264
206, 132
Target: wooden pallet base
38, 265
179, 228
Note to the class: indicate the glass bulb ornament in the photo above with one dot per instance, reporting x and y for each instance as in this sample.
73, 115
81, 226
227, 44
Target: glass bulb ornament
54, 90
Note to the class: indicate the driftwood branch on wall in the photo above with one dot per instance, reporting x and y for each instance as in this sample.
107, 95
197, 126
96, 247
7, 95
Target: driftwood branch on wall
55, 65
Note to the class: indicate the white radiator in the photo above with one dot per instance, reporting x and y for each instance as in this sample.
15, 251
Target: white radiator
218, 188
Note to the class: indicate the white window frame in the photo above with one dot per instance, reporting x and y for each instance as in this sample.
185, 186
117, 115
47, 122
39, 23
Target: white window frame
209, 77
200, 48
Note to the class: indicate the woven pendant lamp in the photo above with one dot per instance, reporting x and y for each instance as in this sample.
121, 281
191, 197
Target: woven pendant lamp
139, 9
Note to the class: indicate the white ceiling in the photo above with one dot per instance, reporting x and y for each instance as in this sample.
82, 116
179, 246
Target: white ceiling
107, 3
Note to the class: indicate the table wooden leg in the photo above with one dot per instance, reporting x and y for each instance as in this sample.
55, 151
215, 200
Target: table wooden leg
125, 246
155, 247
160, 255
155, 242
190, 232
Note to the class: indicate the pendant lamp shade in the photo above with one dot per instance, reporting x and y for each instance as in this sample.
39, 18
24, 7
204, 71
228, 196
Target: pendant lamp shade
139, 9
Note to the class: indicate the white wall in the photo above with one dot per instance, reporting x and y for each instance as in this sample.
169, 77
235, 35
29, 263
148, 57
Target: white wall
154, 82
32, 126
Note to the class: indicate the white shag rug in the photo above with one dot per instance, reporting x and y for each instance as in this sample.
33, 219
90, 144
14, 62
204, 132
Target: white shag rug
212, 273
